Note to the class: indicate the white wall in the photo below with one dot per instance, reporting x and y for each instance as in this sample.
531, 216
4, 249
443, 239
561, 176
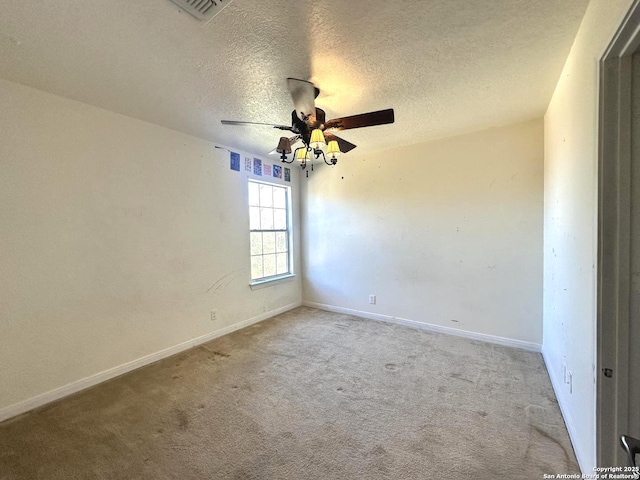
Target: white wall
117, 239
447, 233
570, 226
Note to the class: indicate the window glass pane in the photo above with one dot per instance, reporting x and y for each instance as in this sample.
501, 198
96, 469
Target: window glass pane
269, 265
269, 242
279, 197
269, 211
282, 263
256, 267
254, 218
254, 194
279, 219
266, 218
281, 242
256, 243
266, 196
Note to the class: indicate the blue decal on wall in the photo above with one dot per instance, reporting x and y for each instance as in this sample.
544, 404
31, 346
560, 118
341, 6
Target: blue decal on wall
257, 166
235, 161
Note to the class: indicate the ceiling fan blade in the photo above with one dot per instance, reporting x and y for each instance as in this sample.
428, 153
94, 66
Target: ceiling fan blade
381, 117
342, 143
236, 122
295, 139
303, 94
292, 141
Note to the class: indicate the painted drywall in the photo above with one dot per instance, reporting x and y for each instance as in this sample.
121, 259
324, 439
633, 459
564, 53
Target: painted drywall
118, 237
570, 226
447, 233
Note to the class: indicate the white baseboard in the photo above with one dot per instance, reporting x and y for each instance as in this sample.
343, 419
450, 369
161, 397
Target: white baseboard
508, 342
559, 389
74, 387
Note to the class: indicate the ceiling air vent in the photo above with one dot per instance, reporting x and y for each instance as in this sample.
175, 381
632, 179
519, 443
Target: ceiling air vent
202, 9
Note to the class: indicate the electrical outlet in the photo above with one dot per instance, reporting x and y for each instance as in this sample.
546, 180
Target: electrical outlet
372, 299
214, 315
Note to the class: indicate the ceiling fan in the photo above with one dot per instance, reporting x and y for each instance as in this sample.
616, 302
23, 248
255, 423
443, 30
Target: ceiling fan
310, 126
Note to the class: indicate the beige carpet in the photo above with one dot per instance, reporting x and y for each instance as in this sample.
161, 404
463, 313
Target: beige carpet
306, 395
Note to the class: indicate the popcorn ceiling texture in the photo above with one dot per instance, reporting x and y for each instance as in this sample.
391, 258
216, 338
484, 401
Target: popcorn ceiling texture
306, 395
445, 66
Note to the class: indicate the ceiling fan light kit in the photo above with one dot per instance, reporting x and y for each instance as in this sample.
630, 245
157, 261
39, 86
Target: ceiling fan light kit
309, 125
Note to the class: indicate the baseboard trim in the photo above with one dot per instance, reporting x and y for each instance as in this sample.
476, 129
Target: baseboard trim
74, 387
585, 466
507, 342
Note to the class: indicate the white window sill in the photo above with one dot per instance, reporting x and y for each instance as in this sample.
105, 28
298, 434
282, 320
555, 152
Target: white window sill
268, 282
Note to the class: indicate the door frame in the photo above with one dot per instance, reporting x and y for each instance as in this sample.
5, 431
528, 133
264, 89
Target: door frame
614, 239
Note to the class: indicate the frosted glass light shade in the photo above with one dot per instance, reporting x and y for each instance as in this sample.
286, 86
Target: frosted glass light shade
333, 149
317, 139
302, 154
284, 145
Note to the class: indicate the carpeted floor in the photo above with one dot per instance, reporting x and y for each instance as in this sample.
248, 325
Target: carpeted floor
306, 395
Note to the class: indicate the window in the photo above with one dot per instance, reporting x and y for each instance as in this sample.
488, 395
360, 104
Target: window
270, 232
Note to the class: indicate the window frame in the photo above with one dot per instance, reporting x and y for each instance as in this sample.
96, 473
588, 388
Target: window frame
277, 278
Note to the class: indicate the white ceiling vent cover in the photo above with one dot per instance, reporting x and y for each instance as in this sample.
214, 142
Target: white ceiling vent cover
203, 9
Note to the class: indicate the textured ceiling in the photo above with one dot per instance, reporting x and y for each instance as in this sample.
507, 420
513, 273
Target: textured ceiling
445, 66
